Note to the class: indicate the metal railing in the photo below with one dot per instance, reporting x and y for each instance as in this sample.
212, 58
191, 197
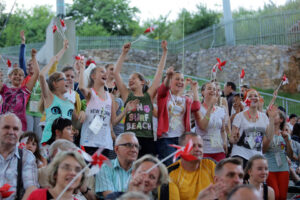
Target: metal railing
14, 50
276, 29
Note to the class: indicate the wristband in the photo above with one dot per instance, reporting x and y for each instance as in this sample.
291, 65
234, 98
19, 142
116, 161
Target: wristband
87, 190
208, 118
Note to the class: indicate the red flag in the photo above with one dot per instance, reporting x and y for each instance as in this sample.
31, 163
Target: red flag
220, 64
247, 102
54, 28
8, 63
4, 191
185, 153
285, 80
22, 145
150, 29
98, 159
79, 57
242, 74
62, 23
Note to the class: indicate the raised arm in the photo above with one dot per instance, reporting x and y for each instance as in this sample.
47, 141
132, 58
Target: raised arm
158, 75
167, 81
272, 112
46, 93
22, 61
119, 82
36, 70
58, 57
85, 91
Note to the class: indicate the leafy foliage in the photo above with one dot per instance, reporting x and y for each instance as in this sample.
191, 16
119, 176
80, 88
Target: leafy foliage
114, 16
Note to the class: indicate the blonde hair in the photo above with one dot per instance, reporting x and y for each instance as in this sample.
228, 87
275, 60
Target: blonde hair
163, 172
61, 156
13, 70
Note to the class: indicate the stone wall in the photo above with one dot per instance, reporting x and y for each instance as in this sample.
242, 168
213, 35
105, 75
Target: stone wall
264, 65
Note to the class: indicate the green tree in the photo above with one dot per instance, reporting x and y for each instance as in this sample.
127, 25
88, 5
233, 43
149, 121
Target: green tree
115, 16
33, 22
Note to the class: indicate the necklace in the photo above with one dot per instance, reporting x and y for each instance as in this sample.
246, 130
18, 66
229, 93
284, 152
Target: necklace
256, 117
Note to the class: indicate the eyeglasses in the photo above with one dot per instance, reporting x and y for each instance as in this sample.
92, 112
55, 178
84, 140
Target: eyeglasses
130, 145
69, 168
60, 79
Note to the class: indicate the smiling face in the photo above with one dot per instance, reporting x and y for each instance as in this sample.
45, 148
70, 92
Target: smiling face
135, 83
259, 170
210, 91
127, 154
70, 77
110, 71
99, 76
16, 77
177, 83
150, 180
10, 130
253, 96
66, 171
197, 150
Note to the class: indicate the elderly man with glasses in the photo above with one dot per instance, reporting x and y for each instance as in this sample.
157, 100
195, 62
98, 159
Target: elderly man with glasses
115, 178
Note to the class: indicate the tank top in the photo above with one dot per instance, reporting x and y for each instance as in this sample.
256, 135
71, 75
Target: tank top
97, 111
139, 121
58, 108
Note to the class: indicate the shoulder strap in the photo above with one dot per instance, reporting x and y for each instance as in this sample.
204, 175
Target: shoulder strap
265, 191
19, 176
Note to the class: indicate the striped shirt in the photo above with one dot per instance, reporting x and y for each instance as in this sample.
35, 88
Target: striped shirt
112, 178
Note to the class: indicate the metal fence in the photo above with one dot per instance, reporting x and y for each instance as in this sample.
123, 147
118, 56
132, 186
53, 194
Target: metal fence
276, 29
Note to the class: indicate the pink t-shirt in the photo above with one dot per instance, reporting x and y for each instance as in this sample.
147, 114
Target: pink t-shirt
14, 101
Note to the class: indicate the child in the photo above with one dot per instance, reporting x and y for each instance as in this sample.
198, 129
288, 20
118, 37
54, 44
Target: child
31, 143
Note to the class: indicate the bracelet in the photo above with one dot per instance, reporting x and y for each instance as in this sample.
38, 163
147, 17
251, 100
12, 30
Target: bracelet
87, 190
208, 118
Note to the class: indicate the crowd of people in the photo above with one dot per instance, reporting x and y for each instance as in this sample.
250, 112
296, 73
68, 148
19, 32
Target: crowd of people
238, 149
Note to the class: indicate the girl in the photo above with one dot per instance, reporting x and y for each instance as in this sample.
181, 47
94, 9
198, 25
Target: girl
211, 127
140, 120
15, 98
256, 173
54, 102
174, 112
31, 142
250, 127
100, 112
275, 148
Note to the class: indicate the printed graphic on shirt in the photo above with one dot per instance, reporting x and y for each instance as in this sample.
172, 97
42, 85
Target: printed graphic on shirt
252, 138
139, 119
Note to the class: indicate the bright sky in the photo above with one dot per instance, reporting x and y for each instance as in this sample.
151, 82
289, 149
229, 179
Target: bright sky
153, 8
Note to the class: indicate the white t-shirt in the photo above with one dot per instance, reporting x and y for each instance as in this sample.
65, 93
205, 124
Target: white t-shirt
251, 135
176, 109
212, 138
95, 130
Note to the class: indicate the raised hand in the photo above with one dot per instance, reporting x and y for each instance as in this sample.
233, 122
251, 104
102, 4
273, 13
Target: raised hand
213, 191
170, 71
194, 85
22, 35
164, 45
272, 111
126, 48
33, 53
66, 44
131, 105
